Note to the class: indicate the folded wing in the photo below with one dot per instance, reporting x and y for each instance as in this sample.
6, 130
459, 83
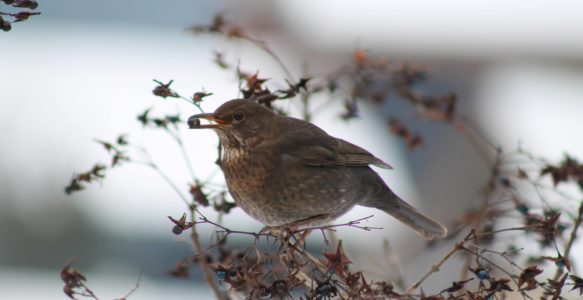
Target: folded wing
320, 149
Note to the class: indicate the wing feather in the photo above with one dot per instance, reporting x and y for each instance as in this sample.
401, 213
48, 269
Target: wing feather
320, 149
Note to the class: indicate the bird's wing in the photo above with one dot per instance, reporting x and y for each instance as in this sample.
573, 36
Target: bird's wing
352, 155
317, 148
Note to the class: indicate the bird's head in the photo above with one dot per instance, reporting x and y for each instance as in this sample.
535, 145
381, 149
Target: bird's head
237, 122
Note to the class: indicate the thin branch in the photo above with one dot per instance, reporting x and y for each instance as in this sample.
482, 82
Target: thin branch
136, 286
171, 183
263, 46
353, 223
178, 139
394, 263
435, 268
502, 254
572, 238
207, 272
149, 162
512, 276
493, 232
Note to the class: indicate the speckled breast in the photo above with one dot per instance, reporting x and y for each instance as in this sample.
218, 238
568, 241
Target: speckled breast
277, 195
247, 179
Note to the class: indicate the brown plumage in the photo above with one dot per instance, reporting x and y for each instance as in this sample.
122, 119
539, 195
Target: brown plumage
285, 171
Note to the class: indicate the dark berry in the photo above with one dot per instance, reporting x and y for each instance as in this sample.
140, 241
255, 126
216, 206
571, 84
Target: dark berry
177, 230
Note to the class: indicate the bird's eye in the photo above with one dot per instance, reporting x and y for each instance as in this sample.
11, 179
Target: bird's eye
238, 116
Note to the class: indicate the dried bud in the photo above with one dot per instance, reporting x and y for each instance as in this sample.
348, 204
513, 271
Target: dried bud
199, 96
180, 224
264, 292
163, 90
6, 26
31, 4
198, 195
279, 287
24, 15
528, 277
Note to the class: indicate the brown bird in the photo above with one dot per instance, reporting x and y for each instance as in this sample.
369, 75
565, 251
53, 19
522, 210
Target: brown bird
286, 171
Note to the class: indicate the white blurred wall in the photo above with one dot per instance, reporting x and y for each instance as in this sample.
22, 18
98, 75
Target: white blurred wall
66, 79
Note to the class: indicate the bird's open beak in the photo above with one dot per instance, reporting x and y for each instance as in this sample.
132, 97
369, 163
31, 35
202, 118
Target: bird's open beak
194, 121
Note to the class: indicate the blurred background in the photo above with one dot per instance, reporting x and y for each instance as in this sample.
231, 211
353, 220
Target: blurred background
83, 70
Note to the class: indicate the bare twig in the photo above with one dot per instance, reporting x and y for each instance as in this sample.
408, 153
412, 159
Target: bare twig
394, 264
208, 275
572, 238
435, 268
353, 223
167, 179
178, 139
136, 286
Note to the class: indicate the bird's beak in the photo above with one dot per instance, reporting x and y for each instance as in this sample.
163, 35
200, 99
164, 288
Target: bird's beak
194, 121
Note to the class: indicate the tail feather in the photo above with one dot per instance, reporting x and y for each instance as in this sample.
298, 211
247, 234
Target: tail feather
423, 225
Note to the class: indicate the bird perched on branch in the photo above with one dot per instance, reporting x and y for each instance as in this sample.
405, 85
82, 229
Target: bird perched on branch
285, 171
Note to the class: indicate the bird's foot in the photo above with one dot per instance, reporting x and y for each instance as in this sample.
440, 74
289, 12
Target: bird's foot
301, 227
288, 233
282, 232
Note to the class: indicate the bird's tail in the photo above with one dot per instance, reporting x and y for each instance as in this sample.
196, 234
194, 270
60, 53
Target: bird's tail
423, 225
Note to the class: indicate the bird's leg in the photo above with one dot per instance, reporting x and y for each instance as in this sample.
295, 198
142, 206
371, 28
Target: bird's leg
287, 230
278, 231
